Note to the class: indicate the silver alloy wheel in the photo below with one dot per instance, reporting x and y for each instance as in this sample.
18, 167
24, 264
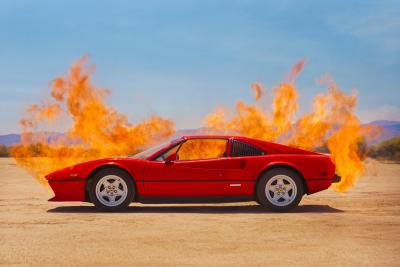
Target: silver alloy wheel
111, 190
281, 190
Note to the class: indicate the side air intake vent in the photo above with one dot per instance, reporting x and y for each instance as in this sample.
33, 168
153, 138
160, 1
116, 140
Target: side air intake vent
241, 149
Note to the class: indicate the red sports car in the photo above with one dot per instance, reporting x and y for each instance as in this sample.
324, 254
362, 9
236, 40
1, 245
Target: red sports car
199, 169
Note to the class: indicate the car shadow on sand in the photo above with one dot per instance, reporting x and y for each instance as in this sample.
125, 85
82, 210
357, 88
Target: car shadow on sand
249, 209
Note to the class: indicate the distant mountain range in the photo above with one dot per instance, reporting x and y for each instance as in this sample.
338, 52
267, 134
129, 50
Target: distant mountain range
15, 139
389, 129
10, 139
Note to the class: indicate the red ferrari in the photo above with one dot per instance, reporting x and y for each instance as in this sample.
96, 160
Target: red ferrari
198, 169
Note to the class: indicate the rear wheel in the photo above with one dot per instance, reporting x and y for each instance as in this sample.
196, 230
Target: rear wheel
111, 190
280, 190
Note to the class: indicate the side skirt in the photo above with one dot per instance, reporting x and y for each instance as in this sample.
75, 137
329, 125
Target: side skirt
206, 199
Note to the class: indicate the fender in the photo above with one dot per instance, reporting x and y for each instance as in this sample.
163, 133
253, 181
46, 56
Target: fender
275, 164
98, 167
80, 173
134, 170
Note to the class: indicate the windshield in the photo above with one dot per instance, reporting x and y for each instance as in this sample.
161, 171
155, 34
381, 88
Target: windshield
150, 151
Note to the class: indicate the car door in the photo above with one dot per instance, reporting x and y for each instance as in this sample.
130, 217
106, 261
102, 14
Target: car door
242, 165
197, 169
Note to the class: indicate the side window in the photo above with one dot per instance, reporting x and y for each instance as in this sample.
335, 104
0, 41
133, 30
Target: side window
167, 153
194, 149
241, 149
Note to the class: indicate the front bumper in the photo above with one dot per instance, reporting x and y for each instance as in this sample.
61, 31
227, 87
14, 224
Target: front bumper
68, 190
336, 179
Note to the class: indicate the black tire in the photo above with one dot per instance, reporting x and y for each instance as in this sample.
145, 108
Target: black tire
130, 187
282, 207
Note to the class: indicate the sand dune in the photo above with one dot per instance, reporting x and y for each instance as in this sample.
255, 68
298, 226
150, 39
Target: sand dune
361, 227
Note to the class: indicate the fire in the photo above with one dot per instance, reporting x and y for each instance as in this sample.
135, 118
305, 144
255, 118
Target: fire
258, 90
96, 129
331, 121
202, 149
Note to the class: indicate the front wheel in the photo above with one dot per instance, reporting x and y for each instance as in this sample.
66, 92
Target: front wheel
280, 190
111, 190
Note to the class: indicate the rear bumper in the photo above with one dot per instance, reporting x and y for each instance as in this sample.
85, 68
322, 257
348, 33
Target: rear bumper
336, 179
319, 184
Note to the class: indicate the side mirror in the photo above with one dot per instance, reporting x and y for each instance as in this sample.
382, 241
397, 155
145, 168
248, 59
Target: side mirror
170, 159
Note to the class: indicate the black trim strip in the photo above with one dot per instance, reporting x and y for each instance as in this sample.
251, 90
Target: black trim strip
68, 180
319, 179
186, 181
228, 181
336, 179
202, 199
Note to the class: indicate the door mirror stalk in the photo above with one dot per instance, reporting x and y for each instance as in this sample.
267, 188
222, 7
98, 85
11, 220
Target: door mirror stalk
168, 162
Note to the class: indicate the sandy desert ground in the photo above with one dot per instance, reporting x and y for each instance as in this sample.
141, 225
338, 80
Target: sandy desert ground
361, 227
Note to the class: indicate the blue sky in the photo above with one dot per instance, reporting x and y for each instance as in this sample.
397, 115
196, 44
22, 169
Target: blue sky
180, 59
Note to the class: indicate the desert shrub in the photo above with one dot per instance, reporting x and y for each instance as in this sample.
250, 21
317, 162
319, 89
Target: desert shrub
362, 148
31, 150
388, 150
4, 151
36, 149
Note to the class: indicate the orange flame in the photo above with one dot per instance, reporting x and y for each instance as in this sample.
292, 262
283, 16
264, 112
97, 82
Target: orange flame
202, 149
332, 120
258, 90
97, 130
